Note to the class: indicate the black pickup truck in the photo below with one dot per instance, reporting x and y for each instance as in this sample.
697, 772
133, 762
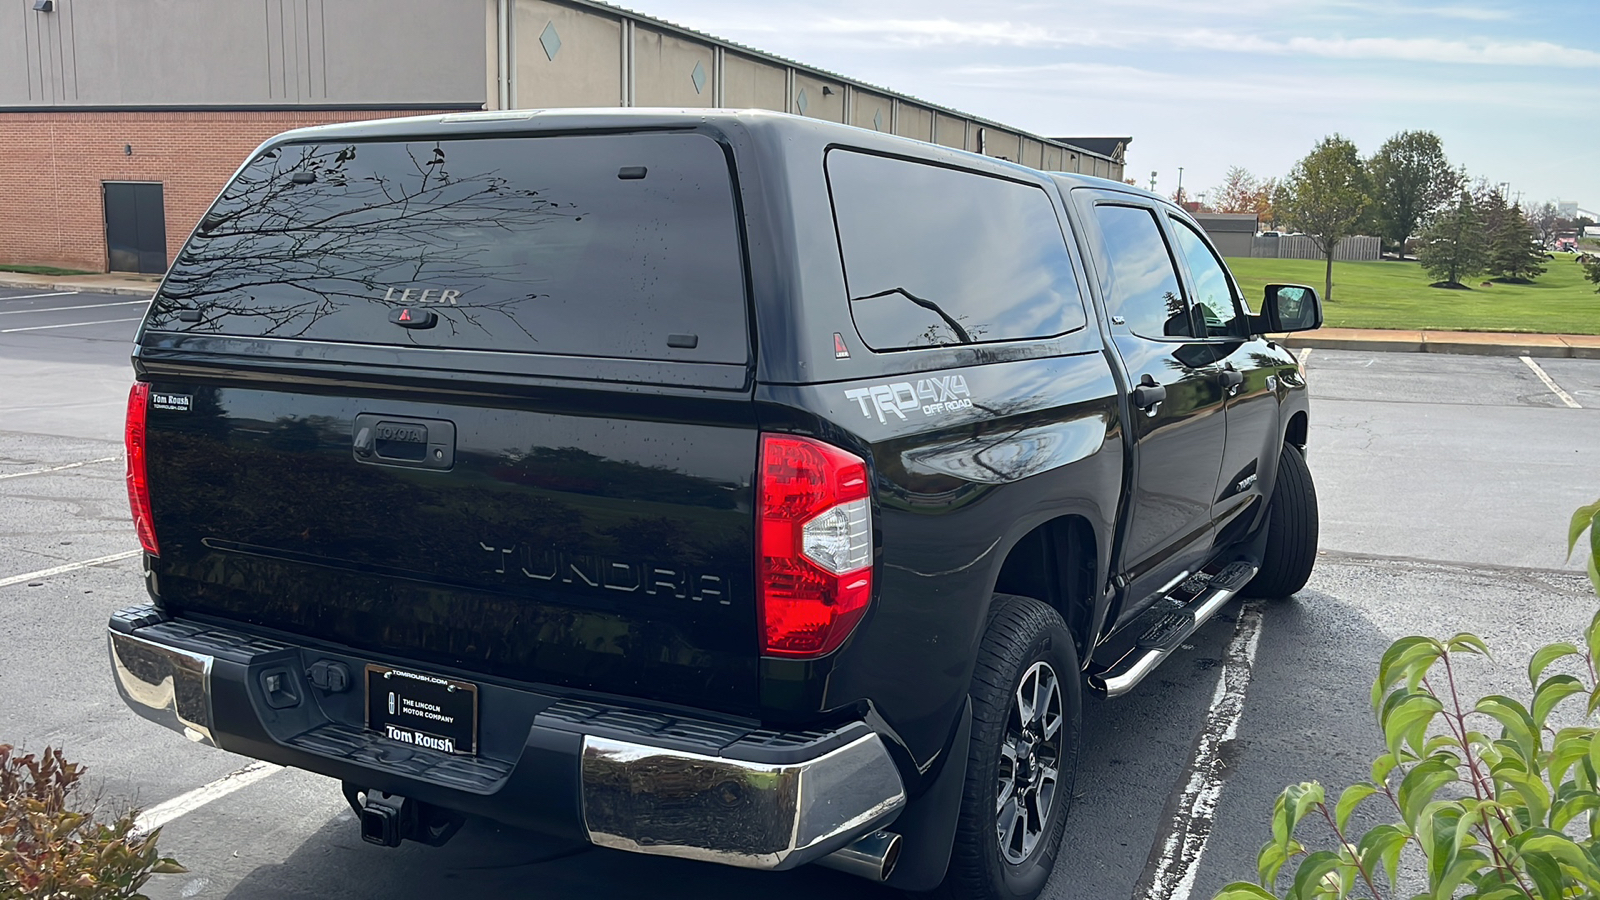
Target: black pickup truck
721, 485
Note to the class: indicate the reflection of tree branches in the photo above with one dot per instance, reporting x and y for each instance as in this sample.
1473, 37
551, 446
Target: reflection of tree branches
935, 335
1174, 303
318, 230
936, 309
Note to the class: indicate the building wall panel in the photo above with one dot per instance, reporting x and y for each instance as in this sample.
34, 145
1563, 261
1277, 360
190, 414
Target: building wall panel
663, 70
384, 51
819, 105
915, 122
1002, 143
1031, 153
952, 131
184, 52
587, 67
240, 52
752, 84
870, 110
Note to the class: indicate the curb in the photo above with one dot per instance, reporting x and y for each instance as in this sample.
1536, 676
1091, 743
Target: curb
1549, 348
117, 290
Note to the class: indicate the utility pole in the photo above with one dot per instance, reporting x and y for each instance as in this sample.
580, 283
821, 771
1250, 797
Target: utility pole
1152, 182
1180, 185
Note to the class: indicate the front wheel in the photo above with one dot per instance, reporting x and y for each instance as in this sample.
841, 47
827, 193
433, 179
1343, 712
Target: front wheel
1292, 530
1027, 694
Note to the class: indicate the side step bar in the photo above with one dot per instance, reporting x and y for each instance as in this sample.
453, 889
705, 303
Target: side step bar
1176, 619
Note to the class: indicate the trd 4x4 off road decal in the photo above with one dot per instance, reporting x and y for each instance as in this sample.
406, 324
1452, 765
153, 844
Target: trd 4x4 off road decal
930, 396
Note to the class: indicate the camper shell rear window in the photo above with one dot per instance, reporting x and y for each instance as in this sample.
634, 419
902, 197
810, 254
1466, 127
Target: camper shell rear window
617, 245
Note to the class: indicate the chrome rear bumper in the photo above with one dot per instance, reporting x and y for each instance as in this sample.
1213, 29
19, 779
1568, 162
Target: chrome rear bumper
167, 685
815, 794
670, 803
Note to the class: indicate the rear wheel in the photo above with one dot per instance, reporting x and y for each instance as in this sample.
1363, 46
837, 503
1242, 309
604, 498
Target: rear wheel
1026, 714
1292, 530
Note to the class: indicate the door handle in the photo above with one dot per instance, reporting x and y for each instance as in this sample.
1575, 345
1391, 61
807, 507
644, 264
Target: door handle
1147, 395
1231, 379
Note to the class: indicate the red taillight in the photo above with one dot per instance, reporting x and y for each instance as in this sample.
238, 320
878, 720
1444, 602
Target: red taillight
138, 484
814, 533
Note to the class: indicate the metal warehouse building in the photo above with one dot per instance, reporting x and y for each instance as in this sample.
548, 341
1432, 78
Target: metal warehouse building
120, 120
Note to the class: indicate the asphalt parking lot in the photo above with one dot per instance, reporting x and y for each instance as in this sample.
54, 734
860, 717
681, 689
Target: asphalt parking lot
1445, 486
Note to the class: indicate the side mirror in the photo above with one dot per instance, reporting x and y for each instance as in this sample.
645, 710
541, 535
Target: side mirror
1289, 307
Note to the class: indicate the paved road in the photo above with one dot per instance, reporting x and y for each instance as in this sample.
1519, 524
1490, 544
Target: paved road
1445, 483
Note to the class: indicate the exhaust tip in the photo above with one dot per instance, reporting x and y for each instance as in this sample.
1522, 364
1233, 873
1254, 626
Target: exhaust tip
872, 857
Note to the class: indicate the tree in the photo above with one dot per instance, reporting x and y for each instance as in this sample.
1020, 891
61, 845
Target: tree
1410, 179
1266, 189
1453, 245
1546, 221
1327, 196
1591, 269
1241, 192
1512, 254
1237, 194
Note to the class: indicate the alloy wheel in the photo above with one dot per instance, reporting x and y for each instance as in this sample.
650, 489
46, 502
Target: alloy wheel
1030, 763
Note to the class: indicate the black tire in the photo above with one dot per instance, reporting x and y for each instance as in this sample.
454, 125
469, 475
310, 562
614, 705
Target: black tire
1291, 550
1022, 634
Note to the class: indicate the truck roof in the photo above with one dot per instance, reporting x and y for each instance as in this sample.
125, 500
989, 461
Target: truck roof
526, 121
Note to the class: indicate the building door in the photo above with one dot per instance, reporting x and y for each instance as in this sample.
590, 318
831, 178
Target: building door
136, 227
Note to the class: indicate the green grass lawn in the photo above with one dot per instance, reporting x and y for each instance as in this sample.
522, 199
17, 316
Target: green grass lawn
43, 270
1396, 295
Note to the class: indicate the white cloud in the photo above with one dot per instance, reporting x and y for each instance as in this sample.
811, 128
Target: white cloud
1284, 93
1434, 50
918, 33
1470, 13
1391, 9
948, 32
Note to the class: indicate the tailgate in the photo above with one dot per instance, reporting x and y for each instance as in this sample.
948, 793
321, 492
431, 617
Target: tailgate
478, 402
597, 553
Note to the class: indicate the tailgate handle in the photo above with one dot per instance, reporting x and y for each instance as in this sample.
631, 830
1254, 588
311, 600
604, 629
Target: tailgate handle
393, 441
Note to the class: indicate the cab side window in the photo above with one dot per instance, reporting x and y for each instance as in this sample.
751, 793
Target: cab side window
1139, 279
935, 256
1213, 292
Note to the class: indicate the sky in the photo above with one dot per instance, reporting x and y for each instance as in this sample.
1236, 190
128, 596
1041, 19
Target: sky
1512, 87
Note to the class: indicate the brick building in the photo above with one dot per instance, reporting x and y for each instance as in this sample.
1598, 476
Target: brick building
120, 120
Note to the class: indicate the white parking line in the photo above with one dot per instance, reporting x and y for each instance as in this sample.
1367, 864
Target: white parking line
1185, 834
21, 312
1550, 383
1304, 352
162, 813
65, 325
69, 567
76, 465
35, 296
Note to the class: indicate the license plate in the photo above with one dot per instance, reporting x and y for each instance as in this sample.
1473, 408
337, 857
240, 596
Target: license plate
423, 710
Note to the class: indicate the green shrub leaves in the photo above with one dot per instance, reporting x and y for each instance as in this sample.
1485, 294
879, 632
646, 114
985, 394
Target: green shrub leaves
50, 851
1495, 803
